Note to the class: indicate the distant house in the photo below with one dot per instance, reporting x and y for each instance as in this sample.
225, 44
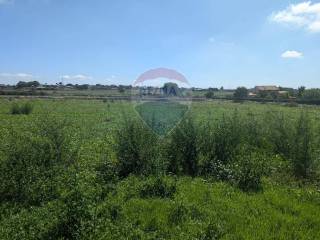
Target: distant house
283, 92
251, 94
268, 89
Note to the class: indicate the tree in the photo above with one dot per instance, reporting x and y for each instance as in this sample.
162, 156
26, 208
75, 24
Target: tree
213, 89
170, 89
181, 148
209, 94
23, 84
301, 90
121, 89
311, 94
241, 92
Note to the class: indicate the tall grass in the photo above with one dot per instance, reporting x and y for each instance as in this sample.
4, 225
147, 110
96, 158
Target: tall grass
302, 147
49, 191
181, 150
24, 108
218, 145
136, 148
234, 148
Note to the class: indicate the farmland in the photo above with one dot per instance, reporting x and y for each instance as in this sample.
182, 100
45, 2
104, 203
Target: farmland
91, 169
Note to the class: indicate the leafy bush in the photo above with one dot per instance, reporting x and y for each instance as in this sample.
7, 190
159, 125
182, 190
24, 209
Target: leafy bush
218, 144
161, 187
311, 94
107, 173
25, 108
209, 94
15, 109
75, 215
253, 131
241, 92
181, 148
136, 148
280, 134
248, 169
302, 147
33, 163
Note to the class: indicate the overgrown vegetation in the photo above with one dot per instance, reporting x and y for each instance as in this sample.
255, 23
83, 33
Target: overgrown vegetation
24, 108
233, 174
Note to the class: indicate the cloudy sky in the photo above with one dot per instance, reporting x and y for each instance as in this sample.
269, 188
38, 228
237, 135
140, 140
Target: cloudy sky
213, 43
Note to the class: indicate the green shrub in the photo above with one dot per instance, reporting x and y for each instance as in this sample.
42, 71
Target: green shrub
280, 134
209, 94
248, 169
218, 145
302, 147
33, 162
253, 131
213, 231
33, 223
181, 148
107, 173
25, 108
75, 215
15, 109
178, 214
136, 148
161, 187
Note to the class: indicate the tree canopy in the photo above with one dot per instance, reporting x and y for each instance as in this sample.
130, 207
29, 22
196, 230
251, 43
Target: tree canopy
241, 92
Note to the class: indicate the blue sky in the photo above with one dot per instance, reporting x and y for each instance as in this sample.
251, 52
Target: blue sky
213, 43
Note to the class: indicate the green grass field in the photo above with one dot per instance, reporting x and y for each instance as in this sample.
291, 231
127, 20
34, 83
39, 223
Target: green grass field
91, 202
161, 117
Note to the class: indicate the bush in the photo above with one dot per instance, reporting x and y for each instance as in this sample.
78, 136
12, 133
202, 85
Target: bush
241, 92
253, 131
136, 148
25, 108
209, 94
280, 134
181, 148
15, 109
248, 169
161, 187
302, 147
75, 215
218, 144
213, 231
33, 162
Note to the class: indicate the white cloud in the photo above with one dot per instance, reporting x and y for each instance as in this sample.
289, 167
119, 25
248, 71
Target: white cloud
78, 77
13, 78
16, 75
292, 54
111, 78
304, 15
